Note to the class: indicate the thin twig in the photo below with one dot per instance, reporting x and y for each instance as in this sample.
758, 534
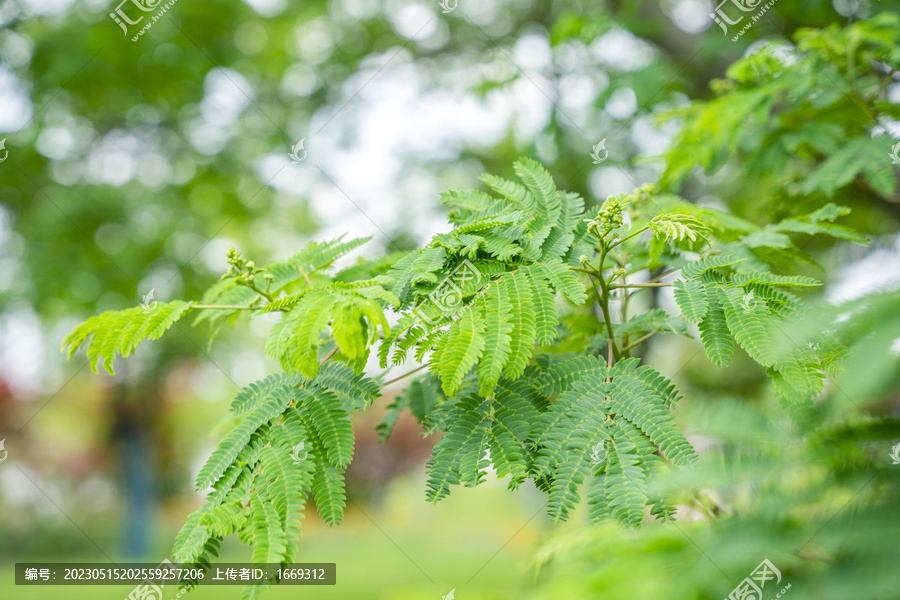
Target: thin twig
640, 339
629, 236
664, 273
604, 302
396, 379
625, 336
253, 287
330, 354
640, 285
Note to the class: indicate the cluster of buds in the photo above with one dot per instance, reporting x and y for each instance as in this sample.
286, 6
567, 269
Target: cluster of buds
244, 271
618, 273
608, 219
611, 214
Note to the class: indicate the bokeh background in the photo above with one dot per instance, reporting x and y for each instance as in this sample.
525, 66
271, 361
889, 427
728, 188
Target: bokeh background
133, 165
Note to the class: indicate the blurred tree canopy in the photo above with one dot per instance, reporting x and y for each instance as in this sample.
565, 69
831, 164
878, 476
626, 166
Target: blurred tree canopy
130, 158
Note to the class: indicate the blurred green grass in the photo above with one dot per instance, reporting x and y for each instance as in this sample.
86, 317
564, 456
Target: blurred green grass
476, 541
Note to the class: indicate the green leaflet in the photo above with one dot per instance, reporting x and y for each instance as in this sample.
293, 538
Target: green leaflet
328, 488
716, 261
226, 292
332, 423
359, 391
507, 455
854, 157
497, 332
518, 290
503, 264
545, 314
354, 319
468, 200
269, 538
415, 267
568, 230
560, 376
368, 269
511, 192
564, 280
749, 326
579, 440
286, 483
714, 330
564, 487
251, 396
624, 482
603, 430
743, 279
542, 188
458, 458
459, 350
744, 305
192, 538
120, 332
678, 227
223, 520
314, 257
294, 439
540, 184
516, 410
234, 442
497, 310
630, 400
691, 299
307, 322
